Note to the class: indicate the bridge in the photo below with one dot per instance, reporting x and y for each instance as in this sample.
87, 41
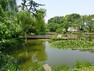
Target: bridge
39, 37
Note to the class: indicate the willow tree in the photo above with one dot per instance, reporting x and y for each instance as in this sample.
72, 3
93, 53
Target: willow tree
8, 5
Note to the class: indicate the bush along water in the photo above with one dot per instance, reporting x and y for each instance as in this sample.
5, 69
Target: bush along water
7, 63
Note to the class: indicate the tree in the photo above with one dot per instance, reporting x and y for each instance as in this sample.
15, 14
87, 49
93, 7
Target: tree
55, 19
4, 4
24, 19
8, 26
40, 23
71, 20
31, 17
30, 5
8, 5
1, 14
52, 27
88, 22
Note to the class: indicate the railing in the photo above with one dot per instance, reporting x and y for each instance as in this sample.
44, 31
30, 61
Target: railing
39, 37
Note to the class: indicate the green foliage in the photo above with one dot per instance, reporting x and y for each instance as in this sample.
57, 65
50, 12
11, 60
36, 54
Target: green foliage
52, 27
61, 67
9, 43
55, 19
21, 23
1, 11
1, 14
9, 28
40, 23
40, 68
5, 61
12, 5
89, 26
74, 20
72, 17
32, 24
24, 19
60, 30
4, 4
70, 20
14, 24
8, 5
82, 64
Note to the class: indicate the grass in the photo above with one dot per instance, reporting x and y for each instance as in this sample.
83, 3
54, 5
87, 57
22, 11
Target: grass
72, 44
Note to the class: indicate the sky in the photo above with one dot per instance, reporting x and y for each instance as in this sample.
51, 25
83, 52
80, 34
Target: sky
64, 7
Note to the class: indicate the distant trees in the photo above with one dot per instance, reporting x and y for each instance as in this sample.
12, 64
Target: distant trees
56, 19
52, 27
89, 22
54, 23
71, 20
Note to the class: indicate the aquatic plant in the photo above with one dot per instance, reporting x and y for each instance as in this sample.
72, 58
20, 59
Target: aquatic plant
61, 67
72, 44
79, 64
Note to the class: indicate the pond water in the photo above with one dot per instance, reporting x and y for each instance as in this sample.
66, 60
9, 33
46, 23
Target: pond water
35, 52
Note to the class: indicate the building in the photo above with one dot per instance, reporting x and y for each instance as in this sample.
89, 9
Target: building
72, 29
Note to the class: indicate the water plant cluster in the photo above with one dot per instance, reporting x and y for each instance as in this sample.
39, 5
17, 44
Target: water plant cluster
72, 44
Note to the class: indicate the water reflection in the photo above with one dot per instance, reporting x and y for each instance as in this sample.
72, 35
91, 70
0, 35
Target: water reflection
35, 52
32, 53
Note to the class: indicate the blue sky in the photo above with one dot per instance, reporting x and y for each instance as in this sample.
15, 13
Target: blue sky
64, 7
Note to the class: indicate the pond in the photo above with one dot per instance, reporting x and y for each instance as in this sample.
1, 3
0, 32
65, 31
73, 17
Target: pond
38, 51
